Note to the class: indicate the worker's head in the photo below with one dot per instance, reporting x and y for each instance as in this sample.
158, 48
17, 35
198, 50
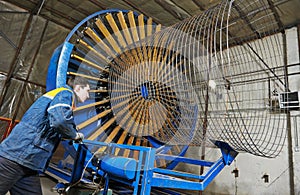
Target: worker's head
80, 87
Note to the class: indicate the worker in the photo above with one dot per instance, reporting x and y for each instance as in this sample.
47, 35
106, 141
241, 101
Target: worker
27, 151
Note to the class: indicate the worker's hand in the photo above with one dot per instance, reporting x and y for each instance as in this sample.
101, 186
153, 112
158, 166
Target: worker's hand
79, 137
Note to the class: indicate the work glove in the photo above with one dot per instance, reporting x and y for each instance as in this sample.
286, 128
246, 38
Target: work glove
79, 137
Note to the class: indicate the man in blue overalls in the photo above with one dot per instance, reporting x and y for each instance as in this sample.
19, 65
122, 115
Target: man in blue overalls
31, 144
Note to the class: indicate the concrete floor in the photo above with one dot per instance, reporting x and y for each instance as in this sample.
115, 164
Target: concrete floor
47, 185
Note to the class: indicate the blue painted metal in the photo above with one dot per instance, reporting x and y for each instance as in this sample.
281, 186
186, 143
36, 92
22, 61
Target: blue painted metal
119, 166
184, 160
145, 164
148, 172
144, 92
52, 69
179, 180
79, 163
57, 77
62, 66
59, 66
142, 176
140, 173
228, 153
92, 16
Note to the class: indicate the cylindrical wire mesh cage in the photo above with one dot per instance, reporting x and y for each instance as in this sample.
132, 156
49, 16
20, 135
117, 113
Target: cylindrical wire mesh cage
214, 76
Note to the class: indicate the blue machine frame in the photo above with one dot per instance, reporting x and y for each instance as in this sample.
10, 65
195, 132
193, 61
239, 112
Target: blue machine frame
142, 175
145, 175
57, 77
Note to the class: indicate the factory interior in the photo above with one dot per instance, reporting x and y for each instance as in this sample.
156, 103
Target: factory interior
186, 97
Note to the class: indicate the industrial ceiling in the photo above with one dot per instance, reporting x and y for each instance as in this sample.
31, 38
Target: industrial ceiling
68, 13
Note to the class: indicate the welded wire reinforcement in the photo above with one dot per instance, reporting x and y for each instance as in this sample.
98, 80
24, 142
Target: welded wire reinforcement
209, 77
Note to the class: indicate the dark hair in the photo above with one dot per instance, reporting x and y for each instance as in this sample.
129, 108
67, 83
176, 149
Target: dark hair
77, 80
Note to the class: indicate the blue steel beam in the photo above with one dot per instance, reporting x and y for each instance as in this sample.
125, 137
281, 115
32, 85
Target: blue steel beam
170, 178
147, 176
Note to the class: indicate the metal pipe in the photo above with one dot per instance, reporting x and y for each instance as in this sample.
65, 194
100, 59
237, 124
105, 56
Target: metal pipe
41, 3
288, 119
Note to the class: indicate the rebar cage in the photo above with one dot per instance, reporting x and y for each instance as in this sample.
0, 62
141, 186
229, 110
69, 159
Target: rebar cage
214, 76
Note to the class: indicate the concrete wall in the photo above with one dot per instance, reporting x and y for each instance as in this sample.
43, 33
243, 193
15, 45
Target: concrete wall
252, 168
294, 82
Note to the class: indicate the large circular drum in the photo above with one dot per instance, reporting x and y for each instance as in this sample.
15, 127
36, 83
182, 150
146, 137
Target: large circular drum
140, 93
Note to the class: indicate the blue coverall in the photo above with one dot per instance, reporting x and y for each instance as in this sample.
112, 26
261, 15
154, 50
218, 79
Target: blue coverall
32, 142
